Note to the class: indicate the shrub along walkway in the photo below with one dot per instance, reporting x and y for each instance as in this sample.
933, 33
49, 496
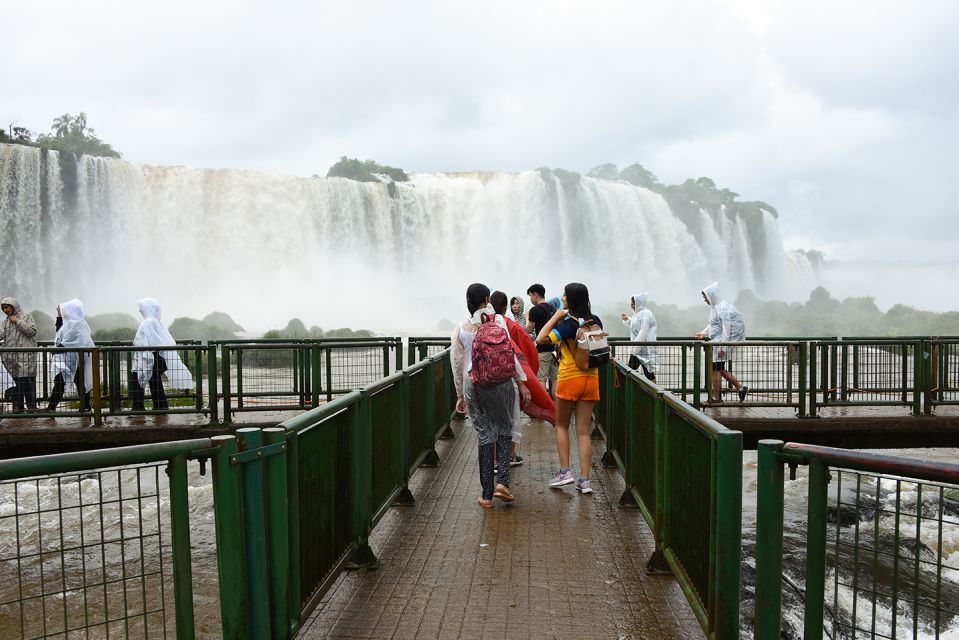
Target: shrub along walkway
553, 564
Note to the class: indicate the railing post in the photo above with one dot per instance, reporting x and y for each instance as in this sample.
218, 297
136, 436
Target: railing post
229, 539
398, 355
180, 532
657, 563
803, 383
628, 426
293, 526
316, 378
432, 459
227, 398
769, 540
834, 371
254, 526
711, 394
697, 374
361, 449
409, 352
211, 383
919, 378
684, 371
931, 356
816, 550
113, 385
404, 452
197, 352
813, 390
278, 506
94, 386
729, 528
238, 390
329, 373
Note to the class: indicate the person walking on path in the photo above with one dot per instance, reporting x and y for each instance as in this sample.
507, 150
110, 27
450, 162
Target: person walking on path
19, 331
72, 332
485, 368
539, 314
642, 328
149, 366
540, 405
576, 389
725, 325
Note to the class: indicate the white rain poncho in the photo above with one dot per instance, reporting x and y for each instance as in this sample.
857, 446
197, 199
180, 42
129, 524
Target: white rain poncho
642, 328
74, 332
152, 333
725, 323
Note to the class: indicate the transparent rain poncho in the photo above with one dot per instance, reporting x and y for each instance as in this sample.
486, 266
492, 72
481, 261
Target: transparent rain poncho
642, 328
74, 332
725, 324
152, 333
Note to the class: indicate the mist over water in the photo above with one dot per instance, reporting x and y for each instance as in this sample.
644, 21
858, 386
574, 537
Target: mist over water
337, 252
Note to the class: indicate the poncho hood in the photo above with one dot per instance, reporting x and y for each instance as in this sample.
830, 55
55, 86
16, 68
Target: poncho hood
640, 300
13, 302
712, 294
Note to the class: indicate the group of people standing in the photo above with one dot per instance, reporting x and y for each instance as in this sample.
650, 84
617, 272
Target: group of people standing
536, 351
18, 374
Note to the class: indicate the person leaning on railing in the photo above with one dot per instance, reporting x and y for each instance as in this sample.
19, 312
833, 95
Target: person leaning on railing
725, 325
72, 331
19, 331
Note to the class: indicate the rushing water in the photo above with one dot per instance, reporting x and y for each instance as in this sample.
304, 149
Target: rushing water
109, 232
843, 523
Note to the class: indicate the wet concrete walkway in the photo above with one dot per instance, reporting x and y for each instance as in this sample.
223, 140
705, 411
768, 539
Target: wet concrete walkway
554, 564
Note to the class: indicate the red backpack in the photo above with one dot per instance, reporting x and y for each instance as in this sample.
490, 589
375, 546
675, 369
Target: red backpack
492, 354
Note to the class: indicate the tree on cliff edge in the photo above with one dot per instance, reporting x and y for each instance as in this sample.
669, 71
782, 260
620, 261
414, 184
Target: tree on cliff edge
71, 134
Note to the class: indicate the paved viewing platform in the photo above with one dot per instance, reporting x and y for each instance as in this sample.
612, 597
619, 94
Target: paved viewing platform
553, 564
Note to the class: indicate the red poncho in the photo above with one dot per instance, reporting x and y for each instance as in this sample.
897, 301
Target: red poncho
540, 405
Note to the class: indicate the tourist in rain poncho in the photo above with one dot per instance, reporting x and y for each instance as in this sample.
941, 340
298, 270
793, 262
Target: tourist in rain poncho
72, 332
517, 311
19, 330
642, 328
149, 366
725, 325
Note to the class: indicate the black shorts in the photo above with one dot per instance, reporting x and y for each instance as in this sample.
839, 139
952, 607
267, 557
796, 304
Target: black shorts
719, 366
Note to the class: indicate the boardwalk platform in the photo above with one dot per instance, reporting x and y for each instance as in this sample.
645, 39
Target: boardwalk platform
554, 564
849, 427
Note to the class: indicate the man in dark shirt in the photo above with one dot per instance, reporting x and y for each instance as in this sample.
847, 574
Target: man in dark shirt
539, 315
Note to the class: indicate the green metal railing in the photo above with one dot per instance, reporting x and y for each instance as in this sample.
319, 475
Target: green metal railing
329, 476
98, 543
879, 544
419, 348
684, 471
867, 372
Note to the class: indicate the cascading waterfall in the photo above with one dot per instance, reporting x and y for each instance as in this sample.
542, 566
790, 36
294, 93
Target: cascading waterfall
266, 247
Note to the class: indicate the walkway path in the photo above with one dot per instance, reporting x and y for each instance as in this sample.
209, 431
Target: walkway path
554, 564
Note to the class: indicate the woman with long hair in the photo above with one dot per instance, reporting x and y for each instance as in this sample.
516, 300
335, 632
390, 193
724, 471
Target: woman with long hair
576, 389
489, 406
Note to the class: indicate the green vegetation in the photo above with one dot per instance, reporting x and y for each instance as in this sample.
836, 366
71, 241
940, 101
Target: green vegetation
46, 326
821, 315
687, 199
68, 133
296, 330
365, 171
204, 330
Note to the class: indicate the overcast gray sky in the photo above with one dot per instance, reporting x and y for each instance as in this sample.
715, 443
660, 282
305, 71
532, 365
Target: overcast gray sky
842, 114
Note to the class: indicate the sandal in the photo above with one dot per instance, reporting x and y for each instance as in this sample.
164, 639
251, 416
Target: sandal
486, 504
503, 493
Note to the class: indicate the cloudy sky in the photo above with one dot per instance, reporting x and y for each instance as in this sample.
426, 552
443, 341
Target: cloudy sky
842, 114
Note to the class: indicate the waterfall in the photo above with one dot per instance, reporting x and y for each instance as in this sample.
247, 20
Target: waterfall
339, 252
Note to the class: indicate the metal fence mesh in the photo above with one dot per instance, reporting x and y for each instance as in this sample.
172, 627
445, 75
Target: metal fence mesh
89, 553
893, 557
874, 373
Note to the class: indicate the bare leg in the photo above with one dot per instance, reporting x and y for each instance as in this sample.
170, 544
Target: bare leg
584, 410
732, 378
716, 389
563, 410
